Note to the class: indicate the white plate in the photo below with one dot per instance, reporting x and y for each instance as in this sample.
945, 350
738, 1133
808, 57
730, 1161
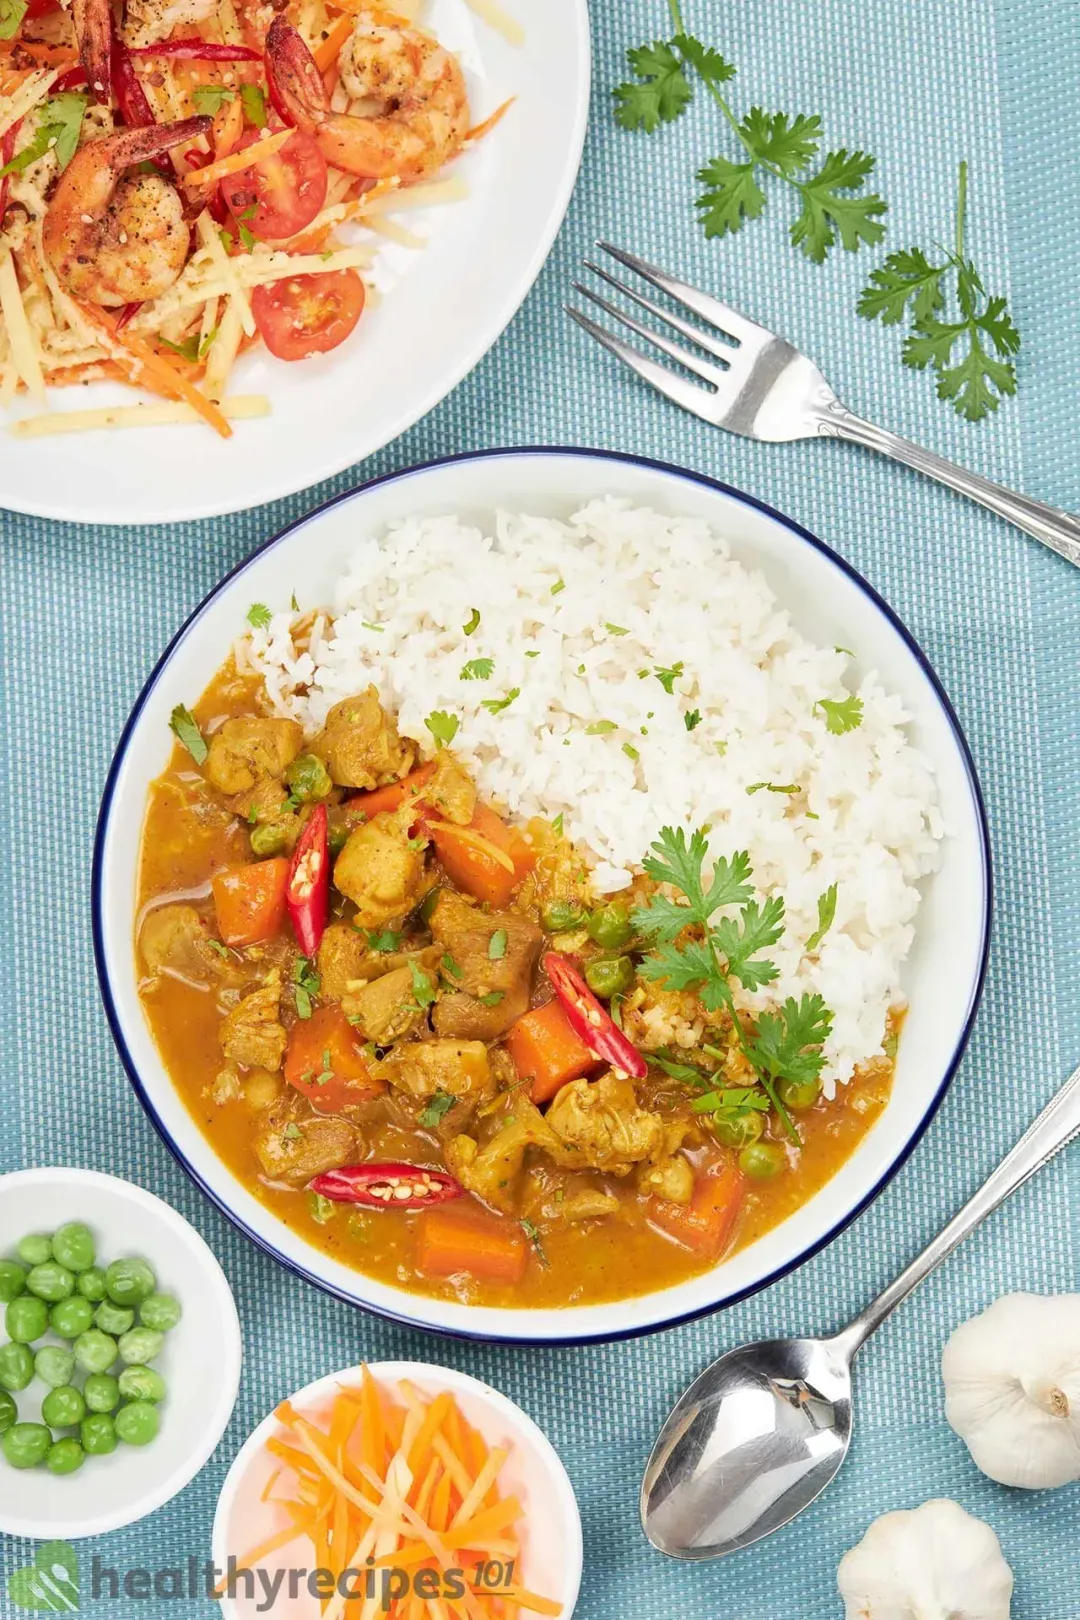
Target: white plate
200, 1361
551, 1558
442, 309
830, 604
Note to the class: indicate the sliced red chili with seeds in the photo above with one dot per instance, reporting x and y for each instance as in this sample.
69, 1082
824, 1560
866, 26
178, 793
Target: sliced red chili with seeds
590, 1019
307, 894
387, 1186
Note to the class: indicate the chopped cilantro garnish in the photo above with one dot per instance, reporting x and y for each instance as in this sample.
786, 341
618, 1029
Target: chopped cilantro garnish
497, 945
443, 727
826, 911
259, 616
437, 1108
497, 705
183, 726
841, 715
382, 939
478, 669
472, 622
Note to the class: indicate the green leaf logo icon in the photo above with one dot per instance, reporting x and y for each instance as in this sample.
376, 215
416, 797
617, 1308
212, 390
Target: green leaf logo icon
50, 1585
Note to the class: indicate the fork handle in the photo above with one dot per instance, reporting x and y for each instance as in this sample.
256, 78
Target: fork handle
1057, 529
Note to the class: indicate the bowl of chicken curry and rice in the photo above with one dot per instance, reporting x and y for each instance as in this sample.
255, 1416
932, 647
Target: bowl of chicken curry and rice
542, 896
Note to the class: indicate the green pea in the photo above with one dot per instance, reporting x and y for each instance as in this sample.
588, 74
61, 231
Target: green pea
9, 1412
73, 1246
101, 1392
35, 1248
70, 1317
27, 1444
140, 1345
562, 916
137, 1424
610, 926
51, 1281
761, 1161
63, 1408
610, 976
799, 1095
26, 1318
95, 1351
112, 1319
129, 1282
12, 1280
16, 1366
91, 1284
142, 1384
55, 1365
270, 838
738, 1127
308, 779
161, 1312
98, 1434
65, 1456
339, 837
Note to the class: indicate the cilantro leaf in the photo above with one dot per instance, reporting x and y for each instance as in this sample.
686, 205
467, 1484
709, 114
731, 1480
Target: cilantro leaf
253, 101
841, 714
478, 669
830, 209
437, 1108
497, 945
306, 985
668, 677
259, 616
711, 66
826, 911
58, 127
788, 1043
12, 13
443, 726
661, 92
424, 992
497, 705
185, 729
906, 278
977, 383
787, 144
740, 940
383, 939
209, 99
731, 196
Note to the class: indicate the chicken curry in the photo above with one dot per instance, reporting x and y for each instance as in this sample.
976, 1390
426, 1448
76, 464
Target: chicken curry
414, 1033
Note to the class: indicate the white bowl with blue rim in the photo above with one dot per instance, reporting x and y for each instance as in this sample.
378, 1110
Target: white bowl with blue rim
200, 1360
830, 604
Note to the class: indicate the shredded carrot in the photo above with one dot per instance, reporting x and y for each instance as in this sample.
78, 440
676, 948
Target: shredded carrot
478, 131
327, 52
244, 159
158, 370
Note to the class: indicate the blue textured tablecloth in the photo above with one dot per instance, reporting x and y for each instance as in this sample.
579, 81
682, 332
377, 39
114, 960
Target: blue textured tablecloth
84, 613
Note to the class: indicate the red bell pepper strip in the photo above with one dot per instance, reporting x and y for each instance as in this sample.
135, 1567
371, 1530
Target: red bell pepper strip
135, 109
197, 50
590, 1020
387, 1186
307, 895
126, 314
72, 79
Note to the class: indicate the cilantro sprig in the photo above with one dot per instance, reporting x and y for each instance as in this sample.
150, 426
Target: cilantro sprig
834, 201
699, 945
971, 353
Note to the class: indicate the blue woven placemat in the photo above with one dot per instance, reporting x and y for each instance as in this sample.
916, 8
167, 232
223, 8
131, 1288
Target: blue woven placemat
84, 613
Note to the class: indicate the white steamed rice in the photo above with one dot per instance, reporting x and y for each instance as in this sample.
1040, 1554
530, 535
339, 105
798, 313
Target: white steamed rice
865, 818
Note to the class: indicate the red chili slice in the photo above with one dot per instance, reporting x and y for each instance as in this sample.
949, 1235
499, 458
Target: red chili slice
307, 895
387, 1186
590, 1020
197, 50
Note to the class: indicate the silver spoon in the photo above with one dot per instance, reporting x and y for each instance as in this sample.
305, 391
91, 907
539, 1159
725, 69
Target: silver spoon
758, 1436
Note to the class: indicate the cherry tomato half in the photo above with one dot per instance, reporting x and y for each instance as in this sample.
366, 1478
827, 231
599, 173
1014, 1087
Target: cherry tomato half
305, 315
280, 195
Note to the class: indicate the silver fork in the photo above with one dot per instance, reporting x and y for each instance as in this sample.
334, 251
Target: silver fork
760, 386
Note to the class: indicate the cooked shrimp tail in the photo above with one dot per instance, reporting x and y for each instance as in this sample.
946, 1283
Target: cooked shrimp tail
92, 21
417, 84
114, 237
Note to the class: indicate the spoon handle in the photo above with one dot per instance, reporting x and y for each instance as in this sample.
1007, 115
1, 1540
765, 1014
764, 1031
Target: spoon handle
1058, 1123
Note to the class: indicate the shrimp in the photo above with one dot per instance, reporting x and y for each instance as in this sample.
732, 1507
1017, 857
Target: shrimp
114, 238
147, 22
92, 22
416, 85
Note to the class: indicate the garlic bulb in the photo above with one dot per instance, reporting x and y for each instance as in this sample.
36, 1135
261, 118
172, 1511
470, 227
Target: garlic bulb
934, 1563
1012, 1389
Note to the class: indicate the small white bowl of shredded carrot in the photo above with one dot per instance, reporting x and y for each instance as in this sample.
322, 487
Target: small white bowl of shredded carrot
399, 1491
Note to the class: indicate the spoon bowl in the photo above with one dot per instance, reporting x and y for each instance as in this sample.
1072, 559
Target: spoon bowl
750, 1444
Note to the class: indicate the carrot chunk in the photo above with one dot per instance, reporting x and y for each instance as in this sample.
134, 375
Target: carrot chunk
707, 1223
394, 794
451, 1240
324, 1061
250, 901
487, 858
547, 1051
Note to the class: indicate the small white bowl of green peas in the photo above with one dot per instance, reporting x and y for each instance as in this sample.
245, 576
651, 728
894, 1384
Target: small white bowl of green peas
120, 1353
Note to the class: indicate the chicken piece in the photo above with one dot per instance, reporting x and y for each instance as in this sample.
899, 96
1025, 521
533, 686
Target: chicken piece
590, 1204
247, 751
671, 1178
293, 1144
601, 1125
393, 1006
451, 790
459, 1069
175, 940
344, 956
147, 22
379, 871
467, 935
252, 1034
492, 1172
359, 743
